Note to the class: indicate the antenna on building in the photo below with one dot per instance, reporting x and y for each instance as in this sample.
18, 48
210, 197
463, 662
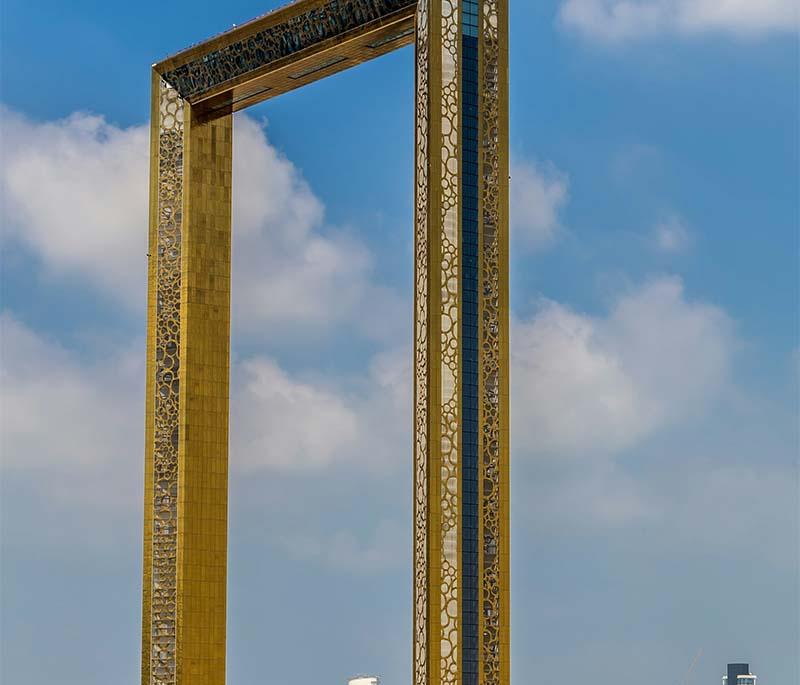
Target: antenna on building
685, 680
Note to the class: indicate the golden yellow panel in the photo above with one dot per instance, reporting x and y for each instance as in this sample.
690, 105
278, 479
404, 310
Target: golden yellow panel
152, 292
204, 398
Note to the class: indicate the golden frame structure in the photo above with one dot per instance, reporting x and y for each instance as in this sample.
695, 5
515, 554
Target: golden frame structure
461, 395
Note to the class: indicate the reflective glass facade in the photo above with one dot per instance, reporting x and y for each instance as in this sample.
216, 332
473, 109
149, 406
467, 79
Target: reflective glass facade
739, 674
470, 348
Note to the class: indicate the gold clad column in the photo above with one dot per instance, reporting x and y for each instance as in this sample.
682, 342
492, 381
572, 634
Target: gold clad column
426, 640
494, 336
437, 648
186, 466
461, 419
203, 457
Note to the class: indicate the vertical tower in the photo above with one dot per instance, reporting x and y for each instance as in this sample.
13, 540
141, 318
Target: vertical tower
739, 674
186, 463
461, 576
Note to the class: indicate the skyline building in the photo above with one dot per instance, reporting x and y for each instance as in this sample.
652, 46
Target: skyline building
461, 323
739, 674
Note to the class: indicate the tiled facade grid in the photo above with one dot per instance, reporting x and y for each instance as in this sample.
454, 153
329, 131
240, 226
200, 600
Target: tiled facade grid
204, 454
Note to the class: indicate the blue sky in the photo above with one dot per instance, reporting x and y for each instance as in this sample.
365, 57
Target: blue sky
655, 347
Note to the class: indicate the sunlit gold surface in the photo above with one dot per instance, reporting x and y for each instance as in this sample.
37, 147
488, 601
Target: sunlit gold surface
366, 41
494, 334
152, 293
183, 636
205, 354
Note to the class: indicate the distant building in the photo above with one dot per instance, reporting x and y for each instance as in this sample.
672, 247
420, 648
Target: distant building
365, 680
739, 674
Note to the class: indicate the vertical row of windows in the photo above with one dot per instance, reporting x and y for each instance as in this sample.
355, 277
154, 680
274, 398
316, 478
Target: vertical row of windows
469, 335
470, 19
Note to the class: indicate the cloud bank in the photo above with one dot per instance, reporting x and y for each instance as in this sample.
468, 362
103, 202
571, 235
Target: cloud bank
75, 195
538, 193
73, 425
586, 385
671, 236
586, 388
613, 21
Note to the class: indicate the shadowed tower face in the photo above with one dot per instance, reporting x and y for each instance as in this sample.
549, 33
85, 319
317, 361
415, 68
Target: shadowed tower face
461, 579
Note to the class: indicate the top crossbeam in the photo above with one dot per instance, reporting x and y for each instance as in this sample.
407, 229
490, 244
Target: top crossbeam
286, 49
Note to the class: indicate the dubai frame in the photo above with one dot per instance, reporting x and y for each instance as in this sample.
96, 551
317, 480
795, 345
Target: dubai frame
461, 415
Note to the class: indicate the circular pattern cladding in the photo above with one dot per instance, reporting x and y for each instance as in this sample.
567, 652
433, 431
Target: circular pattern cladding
167, 386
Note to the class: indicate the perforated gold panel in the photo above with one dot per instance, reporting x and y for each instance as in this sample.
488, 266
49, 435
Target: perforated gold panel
494, 360
183, 631
162, 505
439, 587
450, 345
422, 372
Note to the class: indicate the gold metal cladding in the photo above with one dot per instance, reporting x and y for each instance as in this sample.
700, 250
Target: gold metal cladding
186, 471
152, 291
422, 370
183, 627
262, 58
494, 345
163, 473
505, 396
450, 345
490, 349
205, 355
482, 357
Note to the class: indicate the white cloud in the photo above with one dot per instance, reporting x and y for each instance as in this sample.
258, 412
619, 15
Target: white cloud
76, 426
587, 385
538, 194
737, 503
672, 236
72, 447
621, 20
344, 551
76, 191
734, 503
581, 386
62, 414
602, 496
283, 423
743, 16
287, 268
286, 424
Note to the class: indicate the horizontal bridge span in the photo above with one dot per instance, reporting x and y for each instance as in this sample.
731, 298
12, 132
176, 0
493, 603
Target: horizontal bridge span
286, 49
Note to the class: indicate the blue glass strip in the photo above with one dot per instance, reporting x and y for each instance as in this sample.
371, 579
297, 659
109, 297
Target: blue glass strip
470, 601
